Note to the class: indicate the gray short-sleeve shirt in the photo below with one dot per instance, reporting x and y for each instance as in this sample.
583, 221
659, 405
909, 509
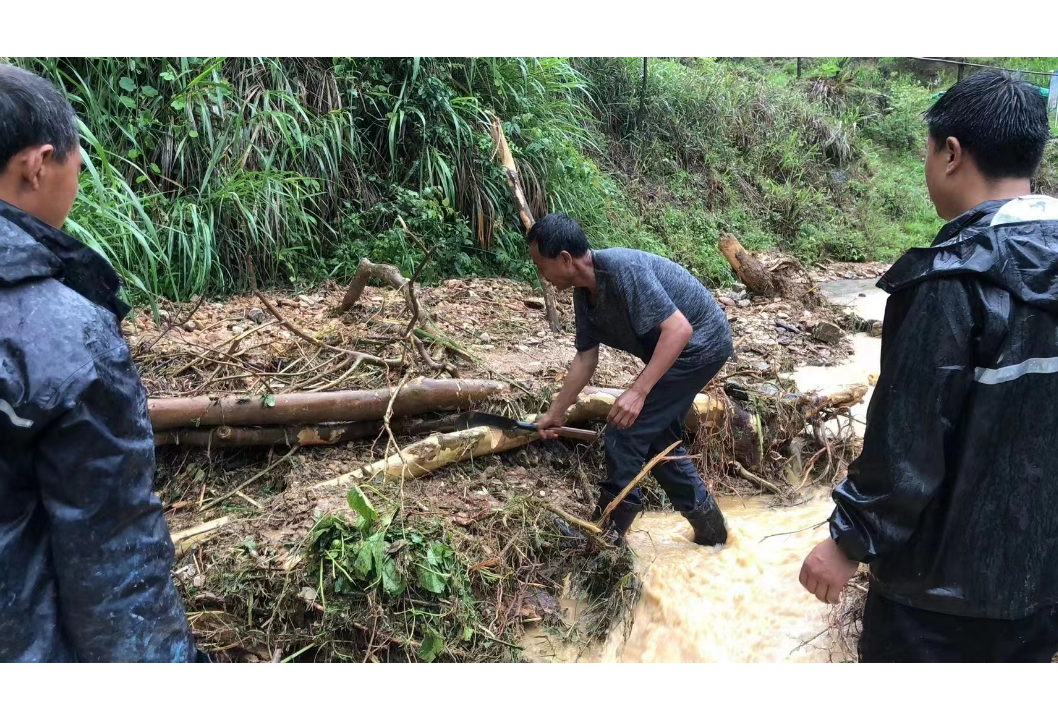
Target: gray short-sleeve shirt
636, 292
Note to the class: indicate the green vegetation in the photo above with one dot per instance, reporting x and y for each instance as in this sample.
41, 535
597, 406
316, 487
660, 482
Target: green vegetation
401, 585
307, 165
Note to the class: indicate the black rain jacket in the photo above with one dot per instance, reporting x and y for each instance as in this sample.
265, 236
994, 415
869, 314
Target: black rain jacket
954, 500
85, 555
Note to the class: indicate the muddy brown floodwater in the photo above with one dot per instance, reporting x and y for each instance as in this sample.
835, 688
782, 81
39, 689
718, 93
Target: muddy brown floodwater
742, 603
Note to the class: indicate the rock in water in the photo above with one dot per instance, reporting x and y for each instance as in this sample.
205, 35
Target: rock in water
827, 332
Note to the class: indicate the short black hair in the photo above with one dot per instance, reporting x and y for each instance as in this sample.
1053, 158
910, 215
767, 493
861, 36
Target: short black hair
556, 233
32, 113
1000, 120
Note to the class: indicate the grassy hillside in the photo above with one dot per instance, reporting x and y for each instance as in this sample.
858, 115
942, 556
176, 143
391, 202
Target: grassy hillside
306, 165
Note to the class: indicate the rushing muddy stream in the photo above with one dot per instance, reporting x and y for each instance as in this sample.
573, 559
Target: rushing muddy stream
742, 603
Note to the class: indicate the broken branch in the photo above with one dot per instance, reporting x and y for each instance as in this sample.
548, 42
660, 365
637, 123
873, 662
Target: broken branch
747, 475
514, 182
359, 356
635, 482
310, 435
433, 453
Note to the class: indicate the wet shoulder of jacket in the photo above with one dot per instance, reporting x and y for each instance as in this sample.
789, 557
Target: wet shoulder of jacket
54, 341
1009, 244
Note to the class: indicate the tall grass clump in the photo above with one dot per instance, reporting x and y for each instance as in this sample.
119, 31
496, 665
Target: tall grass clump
305, 164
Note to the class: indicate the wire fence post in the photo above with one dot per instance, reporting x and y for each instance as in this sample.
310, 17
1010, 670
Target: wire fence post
642, 97
1052, 95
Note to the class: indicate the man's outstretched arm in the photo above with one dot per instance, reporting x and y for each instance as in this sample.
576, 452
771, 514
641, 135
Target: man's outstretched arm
580, 373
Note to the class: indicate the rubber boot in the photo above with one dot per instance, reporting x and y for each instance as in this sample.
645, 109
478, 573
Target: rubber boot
620, 519
708, 523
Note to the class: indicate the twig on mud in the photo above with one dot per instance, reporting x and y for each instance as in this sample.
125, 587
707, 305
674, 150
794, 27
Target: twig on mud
562, 514
141, 350
632, 485
431, 362
808, 469
214, 502
389, 430
360, 356
198, 530
185, 540
747, 475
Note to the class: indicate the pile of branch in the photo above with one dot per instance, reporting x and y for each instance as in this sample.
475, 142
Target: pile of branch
329, 418
416, 460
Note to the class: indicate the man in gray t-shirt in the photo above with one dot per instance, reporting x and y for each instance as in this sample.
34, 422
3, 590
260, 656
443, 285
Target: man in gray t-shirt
653, 308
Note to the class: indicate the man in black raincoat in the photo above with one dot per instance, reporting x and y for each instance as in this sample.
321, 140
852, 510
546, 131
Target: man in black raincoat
953, 503
85, 555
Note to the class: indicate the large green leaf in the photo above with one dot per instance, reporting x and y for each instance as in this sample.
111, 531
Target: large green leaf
359, 501
368, 560
432, 580
432, 646
392, 580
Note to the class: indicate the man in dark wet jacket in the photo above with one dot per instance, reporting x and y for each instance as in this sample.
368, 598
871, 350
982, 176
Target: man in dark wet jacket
85, 555
953, 503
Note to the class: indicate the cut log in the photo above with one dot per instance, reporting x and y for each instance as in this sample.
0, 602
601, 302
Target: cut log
417, 397
435, 452
748, 268
311, 435
813, 403
514, 182
706, 412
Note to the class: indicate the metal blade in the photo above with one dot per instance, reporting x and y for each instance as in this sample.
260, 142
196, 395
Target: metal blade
484, 419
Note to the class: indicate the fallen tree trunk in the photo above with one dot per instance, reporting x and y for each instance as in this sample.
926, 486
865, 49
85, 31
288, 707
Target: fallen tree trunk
435, 452
417, 397
748, 268
514, 182
311, 435
706, 414
707, 411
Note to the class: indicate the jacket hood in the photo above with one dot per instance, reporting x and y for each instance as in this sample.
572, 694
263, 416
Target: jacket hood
1012, 244
33, 250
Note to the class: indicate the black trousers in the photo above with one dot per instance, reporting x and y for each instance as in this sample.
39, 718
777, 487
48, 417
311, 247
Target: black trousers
659, 424
894, 632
